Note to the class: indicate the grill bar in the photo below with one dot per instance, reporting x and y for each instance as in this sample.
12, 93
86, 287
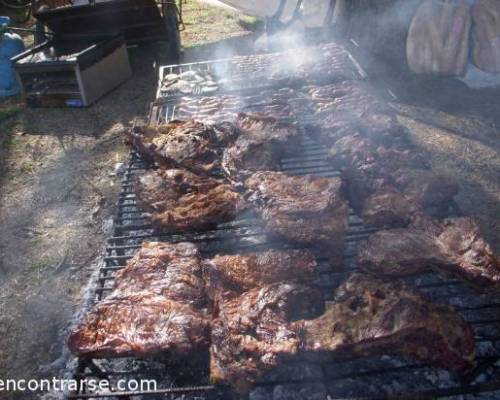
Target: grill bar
132, 227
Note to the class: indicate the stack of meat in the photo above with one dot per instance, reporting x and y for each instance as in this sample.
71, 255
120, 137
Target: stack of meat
250, 313
387, 178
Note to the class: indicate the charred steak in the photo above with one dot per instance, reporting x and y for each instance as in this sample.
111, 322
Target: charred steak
373, 317
454, 246
252, 333
182, 201
230, 275
304, 210
387, 185
140, 324
183, 144
170, 270
156, 305
260, 147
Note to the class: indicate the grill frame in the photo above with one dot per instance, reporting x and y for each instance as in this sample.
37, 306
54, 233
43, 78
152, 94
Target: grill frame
128, 234
230, 68
131, 227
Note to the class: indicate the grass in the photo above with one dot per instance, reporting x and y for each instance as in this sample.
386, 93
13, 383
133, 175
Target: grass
40, 264
206, 24
8, 110
250, 23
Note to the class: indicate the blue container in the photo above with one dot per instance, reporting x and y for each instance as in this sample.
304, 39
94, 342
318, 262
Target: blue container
11, 45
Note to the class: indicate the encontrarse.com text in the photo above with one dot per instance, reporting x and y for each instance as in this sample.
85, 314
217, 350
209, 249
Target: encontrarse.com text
73, 385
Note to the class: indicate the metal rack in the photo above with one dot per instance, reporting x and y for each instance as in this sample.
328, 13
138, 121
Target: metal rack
353, 378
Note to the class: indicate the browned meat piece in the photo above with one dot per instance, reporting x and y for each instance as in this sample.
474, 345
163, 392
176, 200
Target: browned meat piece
182, 201
305, 210
229, 275
430, 189
377, 125
323, 63
388, 207
157, 305
170, 270
387, 185
251, 334
352, 97
282, 103
140, 324
260, 147
373, 317
186, 144
454, 246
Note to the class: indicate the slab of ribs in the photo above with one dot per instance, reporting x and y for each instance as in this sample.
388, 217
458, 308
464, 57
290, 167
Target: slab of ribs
179, 200
160, 302
454, 246
260, 147
306, 210
227, 276
157, 305
183, 144
387, 185
266, 327
282, 103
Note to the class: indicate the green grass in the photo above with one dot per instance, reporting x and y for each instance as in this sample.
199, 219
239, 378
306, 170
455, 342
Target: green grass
250, 23
8, 111
41, 264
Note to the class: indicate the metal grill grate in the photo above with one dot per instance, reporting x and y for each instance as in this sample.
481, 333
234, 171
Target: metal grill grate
353, 378
274, 70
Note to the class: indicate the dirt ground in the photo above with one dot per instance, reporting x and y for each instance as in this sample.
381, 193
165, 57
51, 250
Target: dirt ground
57, 189
57, 195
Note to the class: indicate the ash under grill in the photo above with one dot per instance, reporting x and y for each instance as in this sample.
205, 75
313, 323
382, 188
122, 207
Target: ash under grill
353, 378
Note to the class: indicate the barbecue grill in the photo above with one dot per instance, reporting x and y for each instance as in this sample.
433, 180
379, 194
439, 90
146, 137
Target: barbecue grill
348, 378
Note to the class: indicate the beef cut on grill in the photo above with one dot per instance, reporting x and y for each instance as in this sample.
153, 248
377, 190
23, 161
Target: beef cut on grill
252, 334
183, 144
182, 201
266, 327
323, 63
171, 270
454, 246
282, 103
302, 209
141, 324
389, 207
260, 146
157, 305
373, 317
228, 275
387, 185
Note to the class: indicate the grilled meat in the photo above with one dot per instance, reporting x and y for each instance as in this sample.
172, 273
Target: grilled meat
454, 246
322, 63
182, 201
157, 304
229, 275
183, 144
260, 147
140, 324
304, 210
387, 185
389, 207
282, 103
352, 97
171, 270
251, 334
430, 189
373, 317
